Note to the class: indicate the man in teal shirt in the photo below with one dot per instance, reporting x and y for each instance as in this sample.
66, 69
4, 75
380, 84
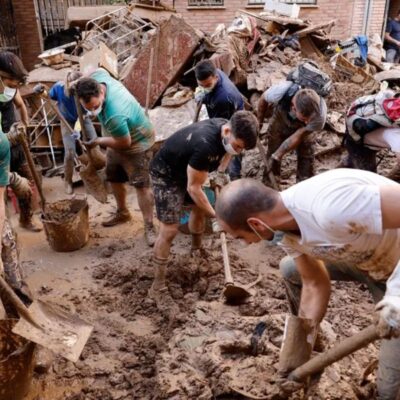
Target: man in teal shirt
128, 138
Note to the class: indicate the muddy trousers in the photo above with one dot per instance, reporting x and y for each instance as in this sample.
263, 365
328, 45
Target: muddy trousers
388, 379
70, 146
10, 257
279, 129
19, 165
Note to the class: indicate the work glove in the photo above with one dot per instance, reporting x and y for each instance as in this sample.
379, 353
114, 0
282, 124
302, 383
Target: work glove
216, 227
90, 143
389, 316
76, 135
39, 89
20, 186
219, 179
199, 94
13, 135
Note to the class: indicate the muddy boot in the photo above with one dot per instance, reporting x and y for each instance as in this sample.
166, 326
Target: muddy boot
197, 239
120, 217
159, 292
26, 216
68, 188
150, 234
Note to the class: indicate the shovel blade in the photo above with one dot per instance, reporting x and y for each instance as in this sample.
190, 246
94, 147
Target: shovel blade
93, 183
235, 294
62, 332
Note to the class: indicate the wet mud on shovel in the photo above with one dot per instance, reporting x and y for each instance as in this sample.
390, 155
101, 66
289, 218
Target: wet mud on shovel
233, 293
50, 326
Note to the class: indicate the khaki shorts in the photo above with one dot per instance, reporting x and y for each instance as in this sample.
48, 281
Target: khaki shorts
129, 167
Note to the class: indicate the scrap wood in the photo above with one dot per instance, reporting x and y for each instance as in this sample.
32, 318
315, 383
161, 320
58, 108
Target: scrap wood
266, 17
314, 28
391, 75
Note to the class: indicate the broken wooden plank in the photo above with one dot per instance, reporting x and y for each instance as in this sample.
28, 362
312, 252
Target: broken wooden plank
391, 75
314, 28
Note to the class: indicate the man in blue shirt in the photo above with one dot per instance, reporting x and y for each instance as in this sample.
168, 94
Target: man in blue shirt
60, 92
392, 39
221, 98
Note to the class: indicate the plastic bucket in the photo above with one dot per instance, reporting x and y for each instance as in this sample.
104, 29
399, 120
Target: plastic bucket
16, 363
66, 224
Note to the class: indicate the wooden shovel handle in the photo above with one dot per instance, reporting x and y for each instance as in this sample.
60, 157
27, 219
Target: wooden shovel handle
225, 255
270, 174
31, 165
336, 353
17, 303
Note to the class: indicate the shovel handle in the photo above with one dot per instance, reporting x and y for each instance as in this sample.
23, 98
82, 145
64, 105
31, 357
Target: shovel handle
270, 174
80, 116
18, 304
32, 168
336, 353
225, 255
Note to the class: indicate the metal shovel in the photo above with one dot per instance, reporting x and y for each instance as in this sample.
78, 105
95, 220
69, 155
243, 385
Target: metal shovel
50, 326
233, 293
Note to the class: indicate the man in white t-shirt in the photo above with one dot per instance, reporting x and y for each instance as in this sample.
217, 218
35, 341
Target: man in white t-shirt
343, 224
296, 114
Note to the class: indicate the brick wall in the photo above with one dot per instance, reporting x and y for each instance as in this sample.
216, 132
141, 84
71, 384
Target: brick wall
27, 32
348, 13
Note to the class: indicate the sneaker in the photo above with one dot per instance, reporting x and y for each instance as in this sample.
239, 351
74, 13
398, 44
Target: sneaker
150, 234
30, 226
120, 217
68, 188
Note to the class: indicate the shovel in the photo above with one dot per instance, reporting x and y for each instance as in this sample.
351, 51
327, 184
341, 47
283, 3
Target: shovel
233, 293
53, 328
270, 174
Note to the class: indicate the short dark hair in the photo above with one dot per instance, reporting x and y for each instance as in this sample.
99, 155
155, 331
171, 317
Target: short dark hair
86, 88
204, 69
243, 199
307, 102
244, 126
12, 67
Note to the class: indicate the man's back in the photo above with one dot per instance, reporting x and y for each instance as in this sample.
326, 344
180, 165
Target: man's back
224, 100
339, 216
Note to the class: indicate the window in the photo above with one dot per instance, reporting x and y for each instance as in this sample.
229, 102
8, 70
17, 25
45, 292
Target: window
205, 3
261, 2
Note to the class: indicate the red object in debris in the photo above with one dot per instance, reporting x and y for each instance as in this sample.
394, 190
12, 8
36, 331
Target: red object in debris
173, 46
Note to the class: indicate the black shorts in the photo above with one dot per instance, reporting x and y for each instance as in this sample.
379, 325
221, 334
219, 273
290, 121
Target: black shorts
170, 198
124, 167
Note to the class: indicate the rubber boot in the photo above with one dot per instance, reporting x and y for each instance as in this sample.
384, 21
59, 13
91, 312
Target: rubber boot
26, 205
197, 239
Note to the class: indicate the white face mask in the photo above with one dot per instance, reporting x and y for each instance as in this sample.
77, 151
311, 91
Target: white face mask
8, 93
94, 112
228, 147
266, 226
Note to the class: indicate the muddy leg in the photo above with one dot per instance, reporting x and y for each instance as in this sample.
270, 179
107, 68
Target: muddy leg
305, 159
196, 227
122, 215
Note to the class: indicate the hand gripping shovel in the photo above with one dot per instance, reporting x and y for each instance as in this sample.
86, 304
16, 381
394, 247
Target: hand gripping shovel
61, 332
233, 293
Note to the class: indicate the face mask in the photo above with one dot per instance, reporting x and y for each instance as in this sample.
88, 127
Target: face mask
8, 93
266, 226
96, 111
228, 147
208, 89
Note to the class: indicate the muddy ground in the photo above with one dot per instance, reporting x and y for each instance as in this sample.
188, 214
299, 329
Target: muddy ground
201, 349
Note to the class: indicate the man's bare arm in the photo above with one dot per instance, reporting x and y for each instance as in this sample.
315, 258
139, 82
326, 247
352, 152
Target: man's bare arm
291, 143
316, 288
121, 143
19, 103
196, 180
390, 201
389, 39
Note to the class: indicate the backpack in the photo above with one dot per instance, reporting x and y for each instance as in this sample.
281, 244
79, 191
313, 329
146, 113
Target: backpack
308, 75
383, 108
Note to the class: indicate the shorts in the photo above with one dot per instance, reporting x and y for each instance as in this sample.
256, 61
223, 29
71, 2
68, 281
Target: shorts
170, 198
124, 167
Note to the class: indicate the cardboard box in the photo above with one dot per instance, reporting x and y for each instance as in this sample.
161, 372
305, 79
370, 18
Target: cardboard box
102, 57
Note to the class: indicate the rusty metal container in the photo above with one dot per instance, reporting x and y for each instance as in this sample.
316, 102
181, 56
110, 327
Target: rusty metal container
16, 363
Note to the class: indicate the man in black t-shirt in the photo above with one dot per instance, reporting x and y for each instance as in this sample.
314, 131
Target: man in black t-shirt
180, 169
